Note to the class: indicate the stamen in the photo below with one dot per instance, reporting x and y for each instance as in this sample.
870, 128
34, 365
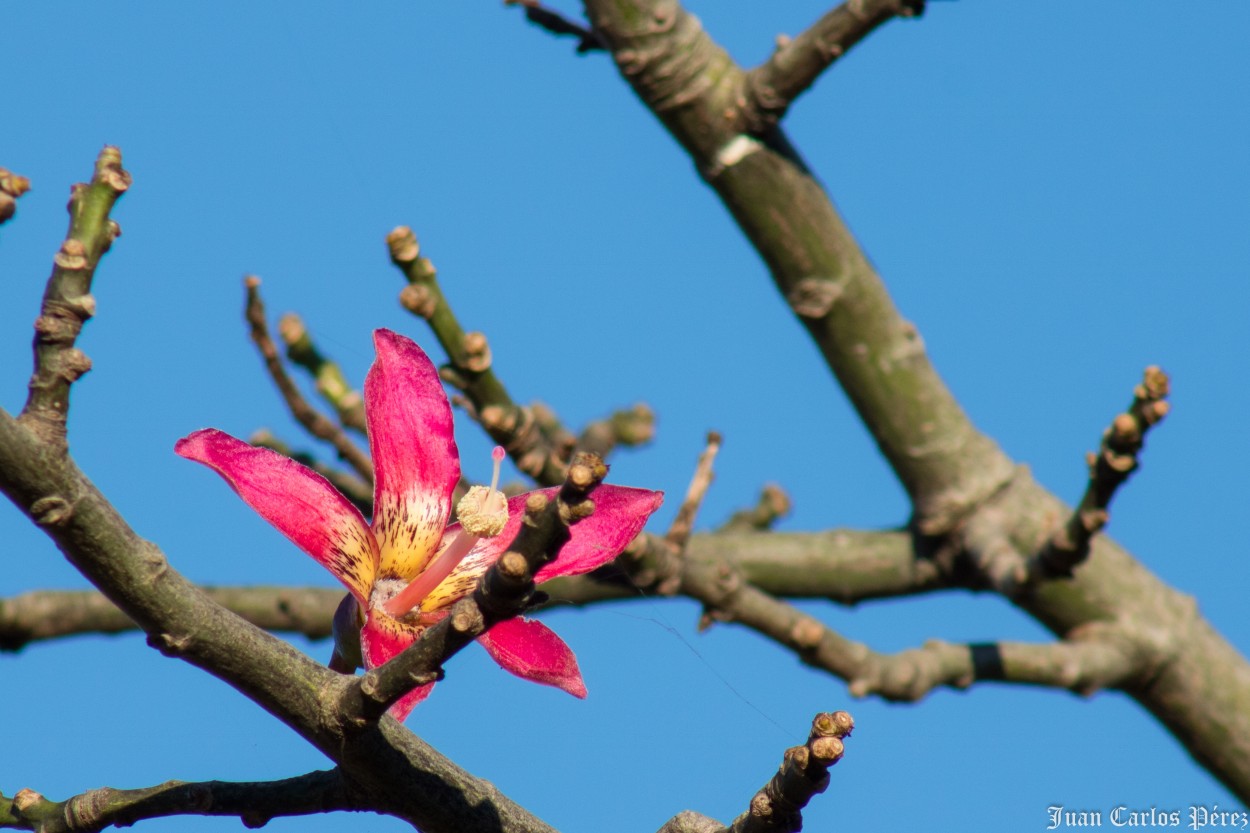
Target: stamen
432, 576
483, 514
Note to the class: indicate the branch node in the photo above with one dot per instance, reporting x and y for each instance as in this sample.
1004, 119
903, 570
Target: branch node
52, 510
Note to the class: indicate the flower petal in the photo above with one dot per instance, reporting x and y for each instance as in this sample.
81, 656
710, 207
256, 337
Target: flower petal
381, 639
416, 464
300, 503
620, 514
534, 652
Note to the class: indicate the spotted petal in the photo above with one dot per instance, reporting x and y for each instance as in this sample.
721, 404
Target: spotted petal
300, 503
534, 652
381, 639
416, 464
620, 513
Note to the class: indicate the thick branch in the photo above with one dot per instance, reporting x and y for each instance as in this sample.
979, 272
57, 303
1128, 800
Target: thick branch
313, 420
1193, 680
774, 85
403, 776
253, 803
845, 566
67, 300
691, 83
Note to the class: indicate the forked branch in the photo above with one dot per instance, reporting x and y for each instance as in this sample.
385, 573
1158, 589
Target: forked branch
796, 64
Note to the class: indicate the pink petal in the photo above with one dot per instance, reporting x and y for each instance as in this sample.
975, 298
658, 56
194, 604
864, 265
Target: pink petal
415, 460
381, 639
532, 651
620, 513
300, 503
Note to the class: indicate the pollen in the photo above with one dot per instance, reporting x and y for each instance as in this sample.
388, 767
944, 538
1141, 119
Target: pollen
483, 511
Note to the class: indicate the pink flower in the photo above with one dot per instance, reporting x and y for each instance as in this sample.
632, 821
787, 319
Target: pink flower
408, 567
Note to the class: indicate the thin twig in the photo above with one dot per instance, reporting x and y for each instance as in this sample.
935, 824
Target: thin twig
1115, 462
804, 774
67, 300
679, 533
331, 383
772, 506
316, 423
797, 62
559, 25
511, 425
630, 427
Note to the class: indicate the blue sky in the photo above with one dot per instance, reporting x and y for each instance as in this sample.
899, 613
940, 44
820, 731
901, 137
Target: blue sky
1055, 193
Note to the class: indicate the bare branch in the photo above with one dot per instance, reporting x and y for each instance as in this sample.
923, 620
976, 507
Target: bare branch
842, 565
559, 25
67, 300
1115, 462
796, 64
12, 186
313, 421
679, 533
51, 614
254, 803
773, 505
331, 384
630, 427
691, 84
511, 425
804, 774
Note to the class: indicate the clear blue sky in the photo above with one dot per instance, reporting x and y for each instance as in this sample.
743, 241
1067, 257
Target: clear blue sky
1055, 192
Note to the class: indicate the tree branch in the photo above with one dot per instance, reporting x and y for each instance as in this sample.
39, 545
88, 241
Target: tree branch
533, 437
956, 477
511, 425
328, 376
773, 505
51, 614
796, 64
559, 25
254, 803
313, 421
690, 83
846, 566
506, 590
67, 300
804, 774
404, 776
12, 186
1115, 462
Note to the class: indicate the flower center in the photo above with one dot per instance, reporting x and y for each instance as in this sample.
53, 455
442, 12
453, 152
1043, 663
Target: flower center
483, 513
